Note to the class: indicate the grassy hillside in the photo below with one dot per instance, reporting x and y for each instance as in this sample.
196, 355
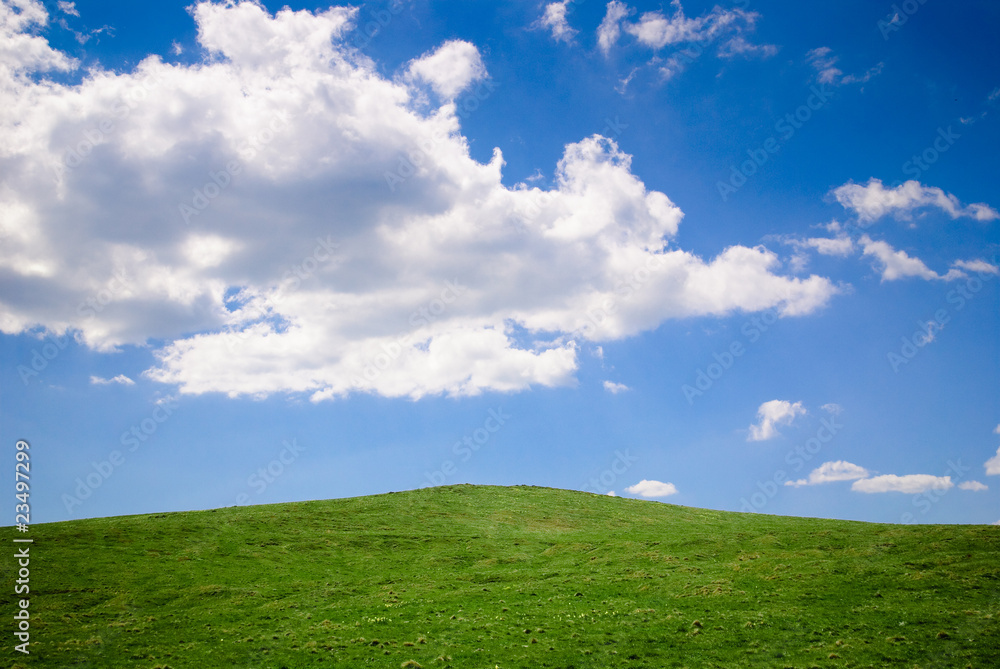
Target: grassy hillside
477, 577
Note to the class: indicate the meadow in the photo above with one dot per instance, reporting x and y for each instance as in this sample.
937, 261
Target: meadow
486, 577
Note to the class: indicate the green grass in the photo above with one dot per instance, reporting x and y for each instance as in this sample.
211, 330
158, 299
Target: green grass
479, 577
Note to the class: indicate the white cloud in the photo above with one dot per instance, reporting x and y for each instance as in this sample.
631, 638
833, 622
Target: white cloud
554, 18
896, 264
68, 8
611, 493
837, 246
977, 266
615, 388
770, 415
252, 296
839, 470
827, 72
646, 488
121, 378
739, 46
824, 63
20, 51
449, 69
996, 430
833, 408
997, 522
911, 483
975, 486
610, 29
873, 201
993, 465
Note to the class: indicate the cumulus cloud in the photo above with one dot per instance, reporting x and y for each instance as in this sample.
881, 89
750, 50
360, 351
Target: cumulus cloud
288, 219
911, 483
839, 470
975, 486
993, 465
873, 201
646, 488
770, 415
896, 264
615, 388
449, 69
121, 379
554, 19
20, 51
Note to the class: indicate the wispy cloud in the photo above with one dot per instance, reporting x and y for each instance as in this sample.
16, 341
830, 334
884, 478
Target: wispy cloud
615, 388
121, 379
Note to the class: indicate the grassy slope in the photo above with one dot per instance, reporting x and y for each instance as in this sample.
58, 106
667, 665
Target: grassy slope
482, 577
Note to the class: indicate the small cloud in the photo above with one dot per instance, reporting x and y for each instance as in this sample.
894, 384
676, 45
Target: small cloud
554, 18
997, 522
611, 493
911, 483
896, 264
828, 472
994, 94
449, 69
176, 48
873, 200
615, 388
993, 465
739, 46
832, 408
598, 352
121, 378
610, 29
978, 266
824, 62
646, 488
68, 8
996, 430
975, 486
772, 414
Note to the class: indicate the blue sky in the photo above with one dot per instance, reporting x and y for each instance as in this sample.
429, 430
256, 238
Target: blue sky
739, 256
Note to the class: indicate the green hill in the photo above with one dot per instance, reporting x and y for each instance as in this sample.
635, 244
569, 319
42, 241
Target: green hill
480, 577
